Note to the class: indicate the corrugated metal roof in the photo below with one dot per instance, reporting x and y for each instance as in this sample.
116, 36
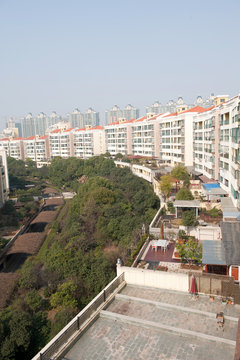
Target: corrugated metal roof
213, 252
231, 242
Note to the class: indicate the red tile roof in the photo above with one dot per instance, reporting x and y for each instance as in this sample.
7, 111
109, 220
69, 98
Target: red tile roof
30, 138
194, 109
142, 118
97, 128
5, 139
67, 130
43, 137
55, 131
20, 138
173, 114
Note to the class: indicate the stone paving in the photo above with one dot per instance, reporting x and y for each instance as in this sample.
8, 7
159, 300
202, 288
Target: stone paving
203, 303
113, 340
110, 339
172, 317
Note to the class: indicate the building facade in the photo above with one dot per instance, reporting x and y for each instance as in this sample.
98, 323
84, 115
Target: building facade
116, 114
80, 120
4, 182
37, 126
217, 144
176, 137
37, 149
88, 142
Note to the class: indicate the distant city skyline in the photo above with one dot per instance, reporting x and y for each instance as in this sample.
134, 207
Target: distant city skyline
102, 114
98, 54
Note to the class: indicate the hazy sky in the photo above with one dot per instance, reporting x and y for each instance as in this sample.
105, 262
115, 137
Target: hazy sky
58, 55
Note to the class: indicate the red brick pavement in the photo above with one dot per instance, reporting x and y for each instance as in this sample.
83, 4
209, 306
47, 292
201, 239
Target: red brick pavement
160, 255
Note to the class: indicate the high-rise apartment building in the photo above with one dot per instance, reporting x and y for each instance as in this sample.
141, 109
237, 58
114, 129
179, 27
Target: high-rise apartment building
76, 119
80, 120
4, 182
158, 108
91, 118
115, 114
28, 125
37, 126
130, 112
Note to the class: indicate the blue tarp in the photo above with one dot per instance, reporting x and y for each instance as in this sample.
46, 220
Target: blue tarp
211, 186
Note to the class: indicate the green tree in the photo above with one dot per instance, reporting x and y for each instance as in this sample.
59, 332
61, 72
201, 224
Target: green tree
34, 300
119, 156
184, 194
62, 318
190, 252
188, 218
166, 184
65, 295
180, 173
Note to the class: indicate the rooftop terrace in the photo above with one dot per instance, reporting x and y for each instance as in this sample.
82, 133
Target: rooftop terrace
149, 323
146, 314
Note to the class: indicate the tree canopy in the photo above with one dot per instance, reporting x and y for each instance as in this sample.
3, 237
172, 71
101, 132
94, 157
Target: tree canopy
190, 251
188, 218
180, 173
184, 194
166, 184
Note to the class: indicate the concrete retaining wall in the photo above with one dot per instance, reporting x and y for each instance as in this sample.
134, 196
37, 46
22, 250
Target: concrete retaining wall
158, 279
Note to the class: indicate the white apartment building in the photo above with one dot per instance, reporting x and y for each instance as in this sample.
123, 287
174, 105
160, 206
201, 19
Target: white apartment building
145, 136
4, 143
176, 137
61, 143
16, 149
217, 145
4, 182
89, 142
37, 148
119, 137
205, 146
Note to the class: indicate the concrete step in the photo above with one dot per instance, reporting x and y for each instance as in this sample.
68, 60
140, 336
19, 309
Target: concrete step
175, 316
153, 324
178, 298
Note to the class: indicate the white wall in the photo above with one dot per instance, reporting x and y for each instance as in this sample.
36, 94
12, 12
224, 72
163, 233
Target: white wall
154, 278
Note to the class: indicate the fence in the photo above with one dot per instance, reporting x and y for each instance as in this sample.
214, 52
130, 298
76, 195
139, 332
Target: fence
213, 284
75, 326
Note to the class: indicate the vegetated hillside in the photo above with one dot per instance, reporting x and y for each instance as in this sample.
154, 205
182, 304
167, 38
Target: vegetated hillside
103, 222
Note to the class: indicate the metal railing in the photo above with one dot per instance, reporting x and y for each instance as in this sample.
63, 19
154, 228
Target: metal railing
74, 326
